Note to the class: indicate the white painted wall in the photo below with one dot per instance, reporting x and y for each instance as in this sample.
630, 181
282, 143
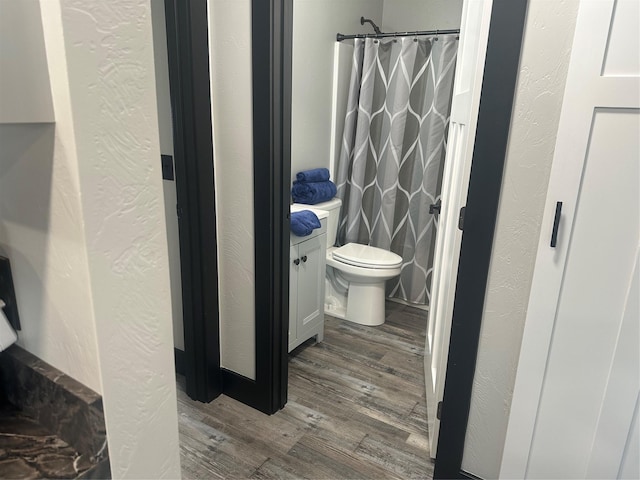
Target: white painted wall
342, 65
41, 232
110, 70
411, 15
24, 79
165, 124
540, 88
232, 104
315, 25
41, 227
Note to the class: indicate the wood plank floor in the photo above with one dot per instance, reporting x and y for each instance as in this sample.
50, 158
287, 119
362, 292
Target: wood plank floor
356, 409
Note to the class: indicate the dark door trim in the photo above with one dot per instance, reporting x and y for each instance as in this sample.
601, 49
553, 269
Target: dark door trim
492, 134
271, 63
188, 51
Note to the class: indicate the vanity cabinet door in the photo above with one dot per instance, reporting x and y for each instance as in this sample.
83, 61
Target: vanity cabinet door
311, 277
293, 296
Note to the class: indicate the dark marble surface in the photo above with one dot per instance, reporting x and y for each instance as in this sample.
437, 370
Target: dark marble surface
51, 426
28, 450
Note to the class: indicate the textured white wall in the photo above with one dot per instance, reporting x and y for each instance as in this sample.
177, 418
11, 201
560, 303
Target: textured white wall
315, 25
165, 124
41, 232
408, 15
232, 103
540, 88
110, 66
41, 228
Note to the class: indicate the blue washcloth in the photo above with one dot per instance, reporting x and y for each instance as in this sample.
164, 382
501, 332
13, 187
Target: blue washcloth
314, 175
314, 192
304, 222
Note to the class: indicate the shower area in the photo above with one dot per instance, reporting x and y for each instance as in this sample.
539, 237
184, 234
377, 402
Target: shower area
371, 100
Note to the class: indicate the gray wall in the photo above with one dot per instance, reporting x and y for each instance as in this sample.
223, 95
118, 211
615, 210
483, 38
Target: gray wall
408, 15
315, 24
540, 87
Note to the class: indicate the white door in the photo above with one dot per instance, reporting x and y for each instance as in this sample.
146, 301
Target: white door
311, 283
575, 406
294, 262
474, 32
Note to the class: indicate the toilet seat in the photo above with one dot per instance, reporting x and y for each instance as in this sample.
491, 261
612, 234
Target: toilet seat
366, 256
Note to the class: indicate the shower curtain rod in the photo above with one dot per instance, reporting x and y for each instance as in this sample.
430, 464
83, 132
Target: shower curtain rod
340, 37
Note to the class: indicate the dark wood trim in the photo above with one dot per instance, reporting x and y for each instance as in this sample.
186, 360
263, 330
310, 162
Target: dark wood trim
188, 51
271, 208
494, 119
8, 293
178, 356
468, 476
242, 389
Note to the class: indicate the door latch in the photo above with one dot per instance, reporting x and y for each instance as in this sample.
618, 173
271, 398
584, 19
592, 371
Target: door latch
461, 218
435, 207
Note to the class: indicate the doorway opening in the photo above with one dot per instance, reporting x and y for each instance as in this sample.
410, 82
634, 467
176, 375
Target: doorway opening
502, 36
273, 49
378, 120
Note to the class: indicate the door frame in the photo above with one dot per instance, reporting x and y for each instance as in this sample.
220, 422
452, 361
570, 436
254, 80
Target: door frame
189, 77
271, 24
485, 183
188, 59
272, 107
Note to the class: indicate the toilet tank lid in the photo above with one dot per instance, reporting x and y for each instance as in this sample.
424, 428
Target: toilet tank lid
335, 202
367, 256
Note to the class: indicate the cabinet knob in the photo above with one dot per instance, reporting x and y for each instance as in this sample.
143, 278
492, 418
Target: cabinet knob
304, 258
296, 261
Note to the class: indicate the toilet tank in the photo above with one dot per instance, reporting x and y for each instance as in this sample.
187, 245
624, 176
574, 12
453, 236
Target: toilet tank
333, 207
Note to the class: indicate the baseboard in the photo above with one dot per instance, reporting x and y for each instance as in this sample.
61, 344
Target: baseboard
409, 304
244, 390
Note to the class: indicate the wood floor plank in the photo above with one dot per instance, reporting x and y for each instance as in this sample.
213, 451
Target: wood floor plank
375, 384
339, 463
213, 450
406, 461
356, 409
393, 372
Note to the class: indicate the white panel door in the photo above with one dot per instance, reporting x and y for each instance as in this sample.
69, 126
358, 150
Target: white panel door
574, 410
311, 278
294, 261
474, 33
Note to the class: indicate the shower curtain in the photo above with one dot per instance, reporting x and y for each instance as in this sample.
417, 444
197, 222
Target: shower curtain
393, 149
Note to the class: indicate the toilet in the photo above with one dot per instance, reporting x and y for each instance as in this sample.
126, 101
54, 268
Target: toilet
355, 275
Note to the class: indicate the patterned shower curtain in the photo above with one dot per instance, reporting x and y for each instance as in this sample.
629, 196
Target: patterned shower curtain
393, 149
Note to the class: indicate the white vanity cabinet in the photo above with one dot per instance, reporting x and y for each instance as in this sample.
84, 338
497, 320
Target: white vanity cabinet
306, 286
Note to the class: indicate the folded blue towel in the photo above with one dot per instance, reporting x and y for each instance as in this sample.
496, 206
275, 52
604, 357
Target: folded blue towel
313, 175
304, 222
314, 192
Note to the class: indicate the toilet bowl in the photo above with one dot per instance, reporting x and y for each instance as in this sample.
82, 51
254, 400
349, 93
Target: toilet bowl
356, 275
